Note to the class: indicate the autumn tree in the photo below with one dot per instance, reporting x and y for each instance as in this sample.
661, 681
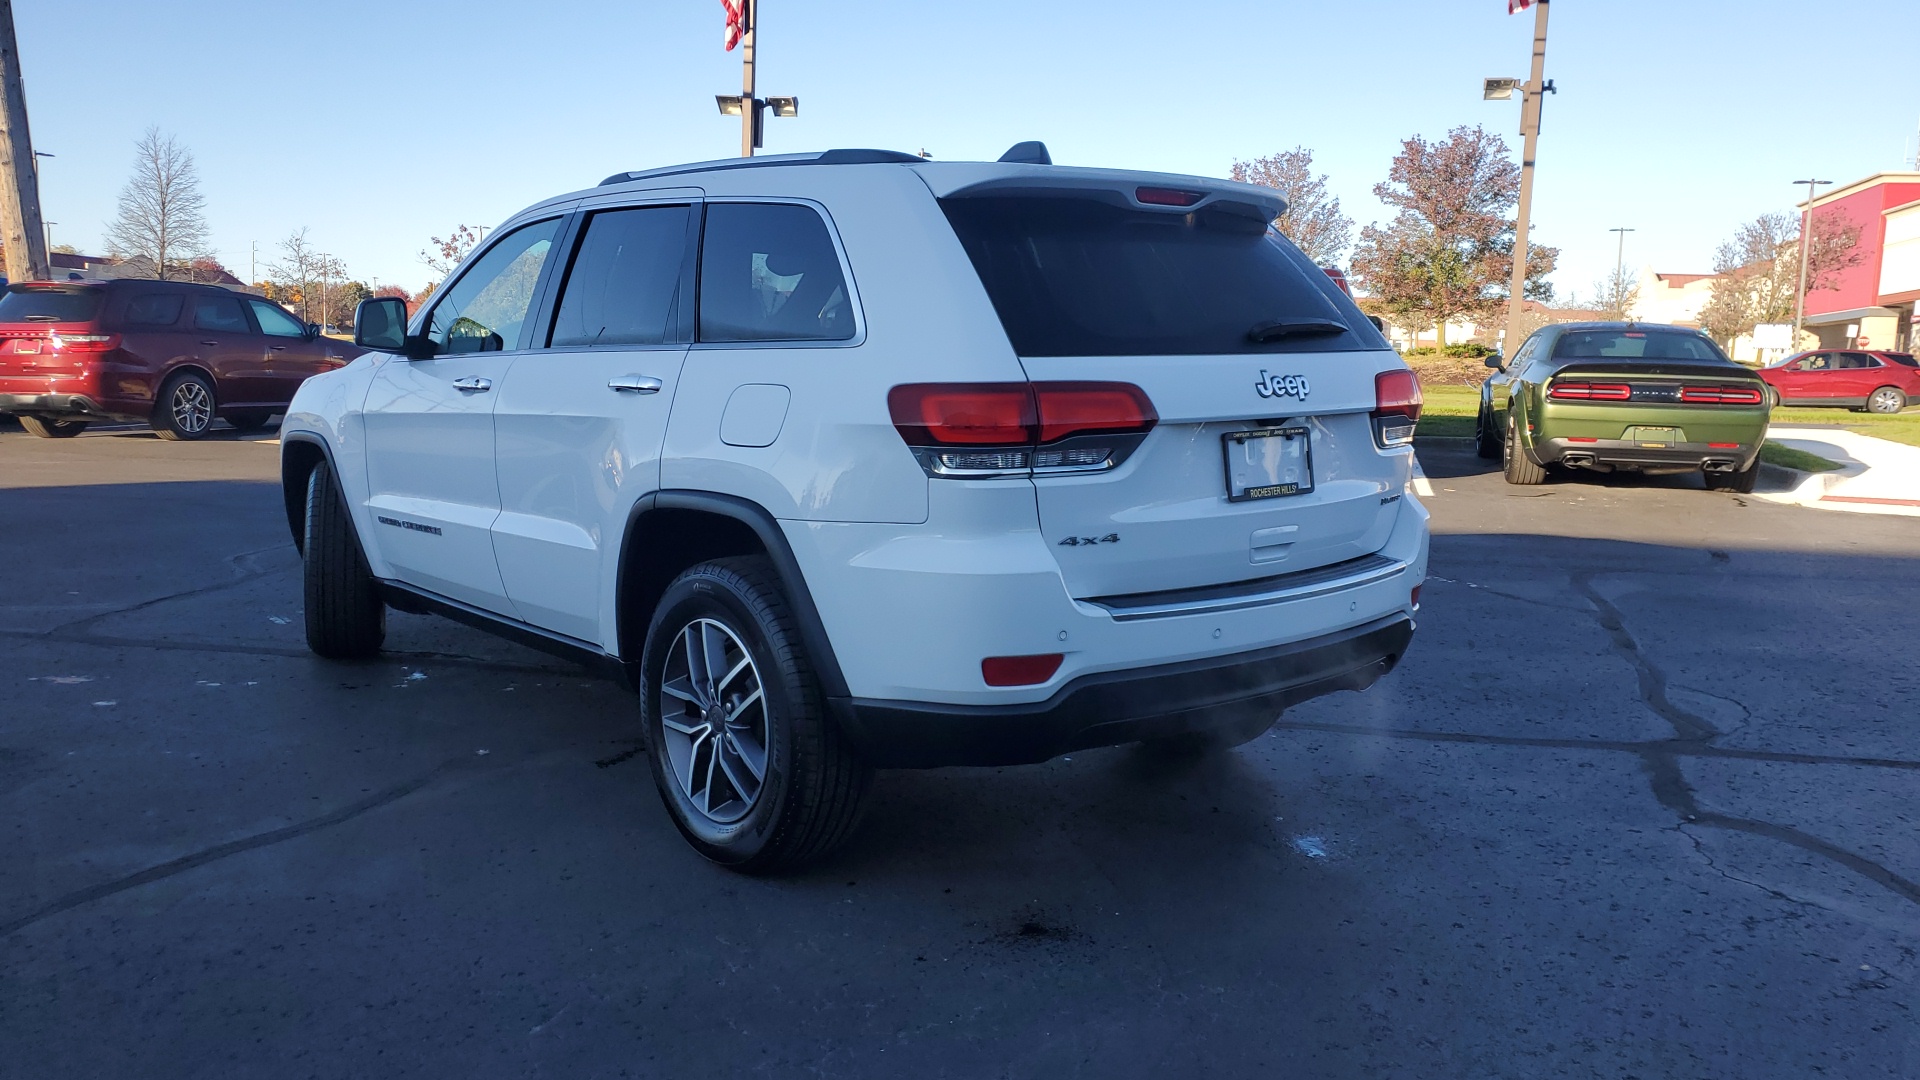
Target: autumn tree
1312, 219
293, 274
1448, 252
161, 218
442, 255
1758, 270
1616, 294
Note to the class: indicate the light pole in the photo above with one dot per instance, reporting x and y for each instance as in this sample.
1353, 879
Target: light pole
1806, 241
745, 105
1536, 88
1619, 272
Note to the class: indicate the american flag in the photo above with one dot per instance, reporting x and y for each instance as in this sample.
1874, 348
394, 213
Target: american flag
737, 20
1513, 7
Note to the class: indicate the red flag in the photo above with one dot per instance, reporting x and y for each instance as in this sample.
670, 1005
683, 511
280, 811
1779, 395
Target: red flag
1513, 7
737, 20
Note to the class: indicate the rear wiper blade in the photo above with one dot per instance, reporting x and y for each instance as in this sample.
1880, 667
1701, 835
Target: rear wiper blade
1284, 328
42, 318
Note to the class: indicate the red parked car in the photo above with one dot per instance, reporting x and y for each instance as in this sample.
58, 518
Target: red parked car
169, 353
1864, 380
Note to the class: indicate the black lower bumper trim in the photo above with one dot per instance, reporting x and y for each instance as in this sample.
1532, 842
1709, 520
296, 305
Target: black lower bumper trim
1236, 693
63, 405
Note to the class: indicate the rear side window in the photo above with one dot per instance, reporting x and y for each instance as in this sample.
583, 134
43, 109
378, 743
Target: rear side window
624, 285
221, 313
769, 272
1903, 359
1636, 344
21, 303
153, 309
1076, 276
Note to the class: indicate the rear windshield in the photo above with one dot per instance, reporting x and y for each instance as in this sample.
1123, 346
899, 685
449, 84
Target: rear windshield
1636, 344
1080, 277
25, 303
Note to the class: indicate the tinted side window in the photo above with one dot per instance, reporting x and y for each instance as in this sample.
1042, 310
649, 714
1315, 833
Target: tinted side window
153, 309
769, 272
221, 314
485, 309
275, 322
624, 284
1857, 360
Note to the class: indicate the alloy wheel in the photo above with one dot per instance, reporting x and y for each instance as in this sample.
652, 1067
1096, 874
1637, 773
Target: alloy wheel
713, 712
1885, 400
192, 407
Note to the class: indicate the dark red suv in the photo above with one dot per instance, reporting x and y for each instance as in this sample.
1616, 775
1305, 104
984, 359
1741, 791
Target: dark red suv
168, 353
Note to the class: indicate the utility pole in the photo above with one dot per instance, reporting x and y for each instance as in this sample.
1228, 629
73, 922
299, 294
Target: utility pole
1619, 272
1806, 241
22, 229
1530, 136
253, 264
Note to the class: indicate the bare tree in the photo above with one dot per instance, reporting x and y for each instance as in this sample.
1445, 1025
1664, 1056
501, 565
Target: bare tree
1312, 220
162, 215
294, 273
1758, 270
1616, 294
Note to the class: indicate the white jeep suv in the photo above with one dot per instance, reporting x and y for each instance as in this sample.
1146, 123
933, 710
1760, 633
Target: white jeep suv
852, 460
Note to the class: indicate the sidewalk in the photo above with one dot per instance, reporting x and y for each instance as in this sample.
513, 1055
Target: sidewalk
1877, 476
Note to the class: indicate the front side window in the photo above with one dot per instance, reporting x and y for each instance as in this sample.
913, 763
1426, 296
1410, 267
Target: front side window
1816, 362
769, 272
485, 309
154, 309
624, 285
220, 314
275, 322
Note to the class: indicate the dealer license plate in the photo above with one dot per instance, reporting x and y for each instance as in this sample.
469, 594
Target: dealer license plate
1266, 463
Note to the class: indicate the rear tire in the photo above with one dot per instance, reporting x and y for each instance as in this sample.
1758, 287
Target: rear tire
1520, 469
1486, 440
53, 429
1887, 399
249, 419
185, 409
345, 618
1740, 482
726, 681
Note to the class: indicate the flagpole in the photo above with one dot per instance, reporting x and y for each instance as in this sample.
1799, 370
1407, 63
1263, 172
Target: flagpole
1530, 134
749, 107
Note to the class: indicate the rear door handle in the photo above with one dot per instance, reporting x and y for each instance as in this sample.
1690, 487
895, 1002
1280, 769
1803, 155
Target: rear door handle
278, 348
209, 343
473, 385
636, 384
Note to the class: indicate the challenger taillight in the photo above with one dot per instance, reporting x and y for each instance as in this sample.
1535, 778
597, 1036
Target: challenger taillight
1396, 407
999, 429
1720, 395
1589, 391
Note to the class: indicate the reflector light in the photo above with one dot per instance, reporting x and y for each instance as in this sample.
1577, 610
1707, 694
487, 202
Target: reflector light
1720, 395
1579, 391
1723, 446
1416, 597
1159, 196
1572, 438
1020, 670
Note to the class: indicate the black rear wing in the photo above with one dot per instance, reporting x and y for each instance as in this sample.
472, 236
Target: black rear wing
1682, 369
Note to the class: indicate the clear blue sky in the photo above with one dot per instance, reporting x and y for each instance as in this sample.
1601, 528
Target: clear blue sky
377, 125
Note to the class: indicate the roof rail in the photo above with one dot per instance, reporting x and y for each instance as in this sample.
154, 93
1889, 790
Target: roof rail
825, 157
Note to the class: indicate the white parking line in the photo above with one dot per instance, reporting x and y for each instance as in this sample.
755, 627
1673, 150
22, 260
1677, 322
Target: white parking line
1420, 485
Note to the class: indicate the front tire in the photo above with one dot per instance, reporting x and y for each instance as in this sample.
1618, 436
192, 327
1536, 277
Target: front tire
345, 617
185, 408
1520, 468
1486, 440
1887, 399
750, 768
53, 429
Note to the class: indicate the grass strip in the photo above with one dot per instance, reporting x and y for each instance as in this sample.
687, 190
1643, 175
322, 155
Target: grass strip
1774, 453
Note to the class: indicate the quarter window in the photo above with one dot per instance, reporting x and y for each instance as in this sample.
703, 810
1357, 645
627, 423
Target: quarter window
154, 309
485, 309
769, 272
275, 322
624, 285
221, 314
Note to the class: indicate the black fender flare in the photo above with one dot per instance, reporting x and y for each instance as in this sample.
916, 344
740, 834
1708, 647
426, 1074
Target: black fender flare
813, 632
296, 501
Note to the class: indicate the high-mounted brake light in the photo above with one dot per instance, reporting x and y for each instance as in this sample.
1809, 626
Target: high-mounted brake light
1579, 391
1396, 407
1159, 196
982, 429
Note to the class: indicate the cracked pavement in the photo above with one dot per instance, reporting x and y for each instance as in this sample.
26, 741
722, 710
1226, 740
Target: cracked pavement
1640, 802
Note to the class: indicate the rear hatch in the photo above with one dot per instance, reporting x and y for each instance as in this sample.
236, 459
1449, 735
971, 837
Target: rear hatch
1263, 460
34, 320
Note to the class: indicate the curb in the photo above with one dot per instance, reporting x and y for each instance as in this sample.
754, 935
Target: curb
1803, 488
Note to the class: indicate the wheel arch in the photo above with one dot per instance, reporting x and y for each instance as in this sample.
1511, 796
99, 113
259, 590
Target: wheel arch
300, 452
669, 531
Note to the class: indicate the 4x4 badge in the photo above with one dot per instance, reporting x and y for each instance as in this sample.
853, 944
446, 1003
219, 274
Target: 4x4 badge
1293, 386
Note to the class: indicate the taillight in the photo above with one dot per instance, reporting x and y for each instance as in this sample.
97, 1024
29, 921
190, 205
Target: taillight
1580, 391
1396, 407
1720, 395
997, 429
87, 343
1020, 670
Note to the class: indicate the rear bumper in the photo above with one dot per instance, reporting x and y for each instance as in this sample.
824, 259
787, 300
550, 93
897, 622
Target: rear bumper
78, 406
1626, 454
1222, 693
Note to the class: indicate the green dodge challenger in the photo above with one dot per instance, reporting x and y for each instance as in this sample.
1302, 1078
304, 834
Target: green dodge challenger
1609, 395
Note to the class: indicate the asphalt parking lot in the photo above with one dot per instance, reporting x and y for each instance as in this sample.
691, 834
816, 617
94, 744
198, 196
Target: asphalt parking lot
1640, 802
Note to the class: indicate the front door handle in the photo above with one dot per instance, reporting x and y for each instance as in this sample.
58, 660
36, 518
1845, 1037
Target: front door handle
278, 348
636, 384
473, 385
209, 343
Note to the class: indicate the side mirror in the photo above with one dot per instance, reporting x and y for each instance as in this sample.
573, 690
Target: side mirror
1378, 323
381, 324
313, 330
1496, 362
